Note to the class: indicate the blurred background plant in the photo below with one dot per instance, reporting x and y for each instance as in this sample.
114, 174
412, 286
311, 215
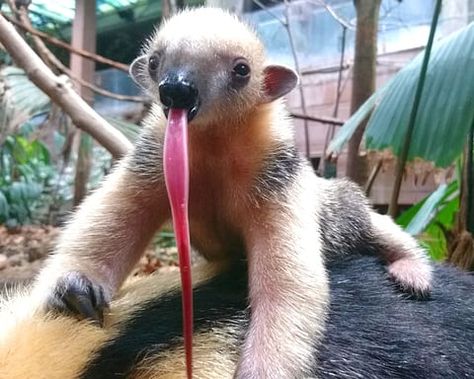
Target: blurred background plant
25, 171
36, 164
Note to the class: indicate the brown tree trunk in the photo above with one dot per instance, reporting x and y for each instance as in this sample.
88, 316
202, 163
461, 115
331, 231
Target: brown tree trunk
460, 240
83, 167
83, 37
363, 82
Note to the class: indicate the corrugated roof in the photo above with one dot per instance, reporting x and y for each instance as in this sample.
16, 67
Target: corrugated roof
54, 13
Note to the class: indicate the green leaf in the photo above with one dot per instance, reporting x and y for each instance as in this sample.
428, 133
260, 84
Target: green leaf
18, 215
345, 133
4, 208
424, 218
21, 100
427, 212
21, 192
416, 218
20, 150
40, 151
434, 237
446, 109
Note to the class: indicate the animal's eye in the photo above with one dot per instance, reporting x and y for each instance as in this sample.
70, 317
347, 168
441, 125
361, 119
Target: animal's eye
153, 63
241, 69
240, 74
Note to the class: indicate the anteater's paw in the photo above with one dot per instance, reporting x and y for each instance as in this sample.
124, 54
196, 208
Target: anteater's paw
414, 277
75, 294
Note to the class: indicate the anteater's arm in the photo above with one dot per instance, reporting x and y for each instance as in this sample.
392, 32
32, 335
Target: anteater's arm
288, 287
407, 261
102, 243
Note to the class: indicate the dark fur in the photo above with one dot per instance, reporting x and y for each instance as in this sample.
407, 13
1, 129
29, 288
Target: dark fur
282, 166
372, 331
345, 220
159, 325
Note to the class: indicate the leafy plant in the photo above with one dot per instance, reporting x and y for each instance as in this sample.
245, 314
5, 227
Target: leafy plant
32, 185
429, 218
446, 109
20, 100
165, 238
25, 169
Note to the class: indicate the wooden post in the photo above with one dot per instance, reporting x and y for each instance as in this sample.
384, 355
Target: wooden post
363, 82
84, 35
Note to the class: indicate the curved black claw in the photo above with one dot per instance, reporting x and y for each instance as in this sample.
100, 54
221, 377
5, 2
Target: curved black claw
75, 294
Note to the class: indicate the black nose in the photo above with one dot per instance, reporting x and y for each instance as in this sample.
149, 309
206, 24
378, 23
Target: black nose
178, 94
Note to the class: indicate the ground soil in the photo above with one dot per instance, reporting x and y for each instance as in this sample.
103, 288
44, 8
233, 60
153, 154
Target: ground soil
23, 251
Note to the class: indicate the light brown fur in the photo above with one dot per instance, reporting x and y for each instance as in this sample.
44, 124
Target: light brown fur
128, 210
38, 346
223, 167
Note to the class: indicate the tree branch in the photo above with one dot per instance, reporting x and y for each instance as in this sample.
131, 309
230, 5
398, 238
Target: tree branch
64, 45
320, 119
344, 23
372, 177
49, 57
300, 83
82, 115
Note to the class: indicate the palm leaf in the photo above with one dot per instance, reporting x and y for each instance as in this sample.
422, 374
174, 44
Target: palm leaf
20, 99
446, 109
428, 218
350, 126
128, 129
416, 218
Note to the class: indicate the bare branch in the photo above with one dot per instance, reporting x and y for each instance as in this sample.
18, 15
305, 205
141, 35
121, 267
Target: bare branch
269, 11
49, 57
320, 119
297, 67
82, 115
344, 23
286, 24
64, 45
372, 177
104, 92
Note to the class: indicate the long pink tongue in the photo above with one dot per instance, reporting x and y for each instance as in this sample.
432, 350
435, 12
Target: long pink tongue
176, 169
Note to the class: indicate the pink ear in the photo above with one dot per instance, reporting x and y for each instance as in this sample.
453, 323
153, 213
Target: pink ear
278, 81
139, 71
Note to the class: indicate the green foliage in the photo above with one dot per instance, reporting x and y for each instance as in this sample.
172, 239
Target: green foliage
5, 58
34, 187
165, 239
25, 169
348, 129
427, 218
443, 121
20, 99
446, 109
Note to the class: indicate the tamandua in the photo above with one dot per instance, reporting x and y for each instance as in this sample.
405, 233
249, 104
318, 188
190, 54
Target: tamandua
371, 332
250, 191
